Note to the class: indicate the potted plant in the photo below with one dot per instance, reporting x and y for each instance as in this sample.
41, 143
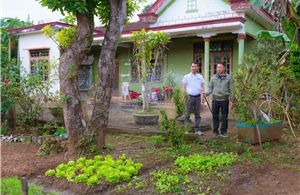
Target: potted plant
255, 83
55, 106
148, 50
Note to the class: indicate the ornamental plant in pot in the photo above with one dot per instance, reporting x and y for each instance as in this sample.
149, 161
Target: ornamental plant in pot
256, 83
55, 106
148, 49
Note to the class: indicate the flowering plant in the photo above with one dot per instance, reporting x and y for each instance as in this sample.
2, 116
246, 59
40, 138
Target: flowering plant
94, 89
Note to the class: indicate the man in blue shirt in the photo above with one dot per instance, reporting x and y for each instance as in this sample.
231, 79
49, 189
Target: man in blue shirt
193, 85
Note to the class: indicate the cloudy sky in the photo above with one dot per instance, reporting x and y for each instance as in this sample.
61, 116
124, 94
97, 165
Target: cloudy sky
23, 8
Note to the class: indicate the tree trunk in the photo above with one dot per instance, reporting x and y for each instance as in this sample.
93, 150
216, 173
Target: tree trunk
70, 62
106, 71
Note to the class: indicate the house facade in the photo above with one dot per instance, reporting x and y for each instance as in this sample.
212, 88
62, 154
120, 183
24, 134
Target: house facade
200, 30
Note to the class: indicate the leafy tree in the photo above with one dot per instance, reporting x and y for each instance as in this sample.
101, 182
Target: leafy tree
9, 46
286, 13
148, 48
113, 14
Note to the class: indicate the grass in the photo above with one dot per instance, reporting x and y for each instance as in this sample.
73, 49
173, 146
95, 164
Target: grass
12, 186
156, 153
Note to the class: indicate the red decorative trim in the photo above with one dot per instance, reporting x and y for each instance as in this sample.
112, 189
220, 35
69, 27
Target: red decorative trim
245, 6
206, 39
238, 1
241, 36
37, 27
161, 28
148, 17
156, 5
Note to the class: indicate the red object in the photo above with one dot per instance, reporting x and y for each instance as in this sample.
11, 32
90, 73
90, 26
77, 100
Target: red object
5, 80
133, 95
156, 89
168, 89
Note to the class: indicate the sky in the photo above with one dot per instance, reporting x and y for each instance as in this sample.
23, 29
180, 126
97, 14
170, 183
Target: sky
23, 8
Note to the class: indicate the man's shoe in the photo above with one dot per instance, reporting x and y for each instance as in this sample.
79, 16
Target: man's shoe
198, 133
215, 135
224, 135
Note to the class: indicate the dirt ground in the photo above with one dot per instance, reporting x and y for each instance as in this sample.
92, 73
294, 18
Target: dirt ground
264, 178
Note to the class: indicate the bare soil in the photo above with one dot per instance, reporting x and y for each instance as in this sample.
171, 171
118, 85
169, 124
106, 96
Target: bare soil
275, 170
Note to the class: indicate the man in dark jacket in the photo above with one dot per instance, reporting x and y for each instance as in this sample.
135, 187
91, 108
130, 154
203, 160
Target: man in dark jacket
220, 86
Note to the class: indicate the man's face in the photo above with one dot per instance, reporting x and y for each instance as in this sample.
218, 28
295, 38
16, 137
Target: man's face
194, 68
220, 69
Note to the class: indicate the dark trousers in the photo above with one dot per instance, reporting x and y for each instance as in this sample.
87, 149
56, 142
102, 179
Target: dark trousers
193, 102
216, 107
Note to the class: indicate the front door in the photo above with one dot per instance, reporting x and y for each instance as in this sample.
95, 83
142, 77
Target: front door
219, 51
115, 91
216, 57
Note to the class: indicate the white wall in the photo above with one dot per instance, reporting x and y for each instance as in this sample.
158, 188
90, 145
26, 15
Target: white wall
207, 10
38, 41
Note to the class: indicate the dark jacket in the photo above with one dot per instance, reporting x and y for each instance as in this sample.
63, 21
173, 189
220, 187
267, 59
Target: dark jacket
220, 88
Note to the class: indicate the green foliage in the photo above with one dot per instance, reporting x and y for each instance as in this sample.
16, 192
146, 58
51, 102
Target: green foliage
92, 170
175, 133
26, 93
167, 181
8, 63
3, 131
51, 144
178, 99
87, 144
12, 186
170, 79
157, 140
63, 38
100, 9
72, 73
148, 48
252, 79
103, 10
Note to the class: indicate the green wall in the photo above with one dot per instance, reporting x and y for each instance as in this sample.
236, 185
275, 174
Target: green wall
252, 27
177, 59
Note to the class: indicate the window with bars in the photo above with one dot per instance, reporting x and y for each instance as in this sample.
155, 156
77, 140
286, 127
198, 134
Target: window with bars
39, 64
192, 5
157, 76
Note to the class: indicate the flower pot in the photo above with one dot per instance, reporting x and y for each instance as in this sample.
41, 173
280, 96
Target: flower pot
146, 119
268, 131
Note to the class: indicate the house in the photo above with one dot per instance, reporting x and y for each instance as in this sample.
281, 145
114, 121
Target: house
200, 30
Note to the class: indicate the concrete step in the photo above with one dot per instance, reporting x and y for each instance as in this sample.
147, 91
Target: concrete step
132, 104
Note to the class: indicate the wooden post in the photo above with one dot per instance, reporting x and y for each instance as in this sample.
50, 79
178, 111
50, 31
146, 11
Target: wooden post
24, 186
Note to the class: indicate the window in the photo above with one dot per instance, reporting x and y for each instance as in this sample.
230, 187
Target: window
157, 76
39, 63
192, 6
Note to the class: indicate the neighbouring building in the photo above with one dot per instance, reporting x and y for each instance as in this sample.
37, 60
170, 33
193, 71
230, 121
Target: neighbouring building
201, 30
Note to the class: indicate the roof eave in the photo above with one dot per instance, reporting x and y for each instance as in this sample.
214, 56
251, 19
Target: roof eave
260, 15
